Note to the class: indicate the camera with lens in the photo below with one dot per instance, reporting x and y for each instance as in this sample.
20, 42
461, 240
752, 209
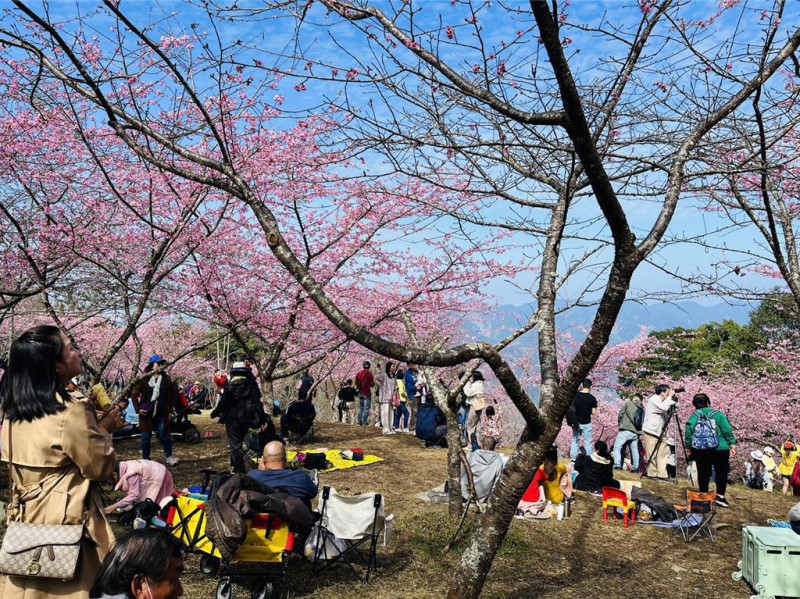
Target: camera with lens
679, 389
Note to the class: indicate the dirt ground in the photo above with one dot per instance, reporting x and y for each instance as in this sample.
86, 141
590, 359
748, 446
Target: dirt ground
581, 557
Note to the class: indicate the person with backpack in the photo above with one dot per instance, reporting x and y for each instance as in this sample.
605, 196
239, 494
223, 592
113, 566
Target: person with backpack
240, 409
585, 405
631, 418
711, 444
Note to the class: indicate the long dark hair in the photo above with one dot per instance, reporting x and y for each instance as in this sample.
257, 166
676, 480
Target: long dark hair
550, 465
140, 552
30, 384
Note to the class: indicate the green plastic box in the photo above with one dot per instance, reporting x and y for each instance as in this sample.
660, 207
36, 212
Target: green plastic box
771, 560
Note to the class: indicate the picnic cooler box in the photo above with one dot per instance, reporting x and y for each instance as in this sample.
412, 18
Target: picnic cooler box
267, 536
771, 560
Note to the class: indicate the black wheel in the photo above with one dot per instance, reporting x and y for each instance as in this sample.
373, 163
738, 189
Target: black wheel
191, 435
262, 589
226, 589
209, 565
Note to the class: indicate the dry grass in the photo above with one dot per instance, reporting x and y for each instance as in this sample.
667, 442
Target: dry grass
578, 558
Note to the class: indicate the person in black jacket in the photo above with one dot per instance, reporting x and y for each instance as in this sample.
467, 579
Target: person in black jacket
240, 409
595, 471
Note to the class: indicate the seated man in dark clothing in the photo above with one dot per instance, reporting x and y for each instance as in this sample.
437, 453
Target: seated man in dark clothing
272, 472
432, 424
299, 419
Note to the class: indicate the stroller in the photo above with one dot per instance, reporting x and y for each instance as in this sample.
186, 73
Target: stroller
256, 439
260, 560
181, 427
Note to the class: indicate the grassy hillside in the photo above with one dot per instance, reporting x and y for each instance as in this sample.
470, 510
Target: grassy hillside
580, 557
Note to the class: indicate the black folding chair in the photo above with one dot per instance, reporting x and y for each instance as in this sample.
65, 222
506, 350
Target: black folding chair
348, 532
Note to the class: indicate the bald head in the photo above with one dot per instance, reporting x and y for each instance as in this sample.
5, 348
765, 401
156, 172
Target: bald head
274, 457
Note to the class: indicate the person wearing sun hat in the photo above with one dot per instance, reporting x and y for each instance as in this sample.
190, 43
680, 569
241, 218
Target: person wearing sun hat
757, 475
789, 455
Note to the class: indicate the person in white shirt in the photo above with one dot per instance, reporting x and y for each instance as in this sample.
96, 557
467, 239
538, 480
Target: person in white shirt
656, 413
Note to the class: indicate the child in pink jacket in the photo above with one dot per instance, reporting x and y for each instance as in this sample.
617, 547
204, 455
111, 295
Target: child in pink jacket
140, 480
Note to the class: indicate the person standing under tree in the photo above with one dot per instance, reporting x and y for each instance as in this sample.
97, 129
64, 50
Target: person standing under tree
585, 407
240, 409
655, 421
631, 418
364, 383
155, 411
304, 385
711, 444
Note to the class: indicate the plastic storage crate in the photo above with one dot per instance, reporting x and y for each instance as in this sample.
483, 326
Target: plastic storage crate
771, 561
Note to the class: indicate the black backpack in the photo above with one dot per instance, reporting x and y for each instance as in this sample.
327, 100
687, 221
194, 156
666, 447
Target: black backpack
572, 416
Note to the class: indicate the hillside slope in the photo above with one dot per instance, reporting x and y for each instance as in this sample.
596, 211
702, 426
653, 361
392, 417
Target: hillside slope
578, 558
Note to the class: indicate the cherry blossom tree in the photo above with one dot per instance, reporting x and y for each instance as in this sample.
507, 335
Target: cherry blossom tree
562, 157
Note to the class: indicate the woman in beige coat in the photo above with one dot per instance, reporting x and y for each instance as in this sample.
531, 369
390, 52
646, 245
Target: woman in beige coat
58, 451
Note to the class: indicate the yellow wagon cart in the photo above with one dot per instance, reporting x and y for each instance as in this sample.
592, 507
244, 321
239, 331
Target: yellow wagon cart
261, 559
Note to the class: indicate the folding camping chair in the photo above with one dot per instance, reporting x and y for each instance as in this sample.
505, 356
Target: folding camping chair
348, 532
697, 516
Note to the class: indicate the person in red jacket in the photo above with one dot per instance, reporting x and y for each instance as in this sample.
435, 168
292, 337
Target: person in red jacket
364, 383
220, 380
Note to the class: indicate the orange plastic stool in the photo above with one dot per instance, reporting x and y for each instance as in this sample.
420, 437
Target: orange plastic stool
614, 498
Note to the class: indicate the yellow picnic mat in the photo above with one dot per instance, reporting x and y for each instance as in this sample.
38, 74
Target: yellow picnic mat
339, 463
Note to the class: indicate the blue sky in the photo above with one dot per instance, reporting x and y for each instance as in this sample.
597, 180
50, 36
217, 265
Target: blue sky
342, 44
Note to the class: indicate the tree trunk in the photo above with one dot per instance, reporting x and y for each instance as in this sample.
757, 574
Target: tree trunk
494, 522
456, 502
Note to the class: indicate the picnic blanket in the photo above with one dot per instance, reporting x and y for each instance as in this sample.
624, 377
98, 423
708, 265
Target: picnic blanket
338, 462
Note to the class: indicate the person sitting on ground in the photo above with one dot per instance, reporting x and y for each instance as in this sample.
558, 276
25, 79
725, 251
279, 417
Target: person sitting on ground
272, 472
299, 419
756, 475
595, 471
486, 466
789, 456
140, 480
551, 488
432, 424
144, 564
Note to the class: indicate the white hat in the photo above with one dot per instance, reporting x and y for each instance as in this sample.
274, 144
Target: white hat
769, 451
238, 366
671, 442
757, 455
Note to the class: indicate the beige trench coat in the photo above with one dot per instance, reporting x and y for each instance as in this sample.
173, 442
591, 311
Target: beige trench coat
68, 443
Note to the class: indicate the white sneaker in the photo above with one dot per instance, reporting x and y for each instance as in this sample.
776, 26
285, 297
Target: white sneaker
388, 432
377, 425
172, 461
406, 431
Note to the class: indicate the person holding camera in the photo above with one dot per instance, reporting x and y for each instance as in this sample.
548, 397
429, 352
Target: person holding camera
711, 444
656, 419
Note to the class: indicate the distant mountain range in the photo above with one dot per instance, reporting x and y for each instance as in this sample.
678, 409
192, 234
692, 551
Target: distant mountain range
633, 317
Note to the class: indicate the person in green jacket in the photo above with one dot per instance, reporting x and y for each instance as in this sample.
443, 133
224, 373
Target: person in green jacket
700, 441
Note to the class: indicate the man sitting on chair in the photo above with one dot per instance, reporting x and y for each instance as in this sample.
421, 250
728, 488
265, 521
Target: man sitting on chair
272, 471
299, 419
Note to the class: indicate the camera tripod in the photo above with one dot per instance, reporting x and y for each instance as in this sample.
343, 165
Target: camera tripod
670, 421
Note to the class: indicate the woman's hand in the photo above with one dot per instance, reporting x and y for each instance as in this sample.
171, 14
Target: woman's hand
110, 509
